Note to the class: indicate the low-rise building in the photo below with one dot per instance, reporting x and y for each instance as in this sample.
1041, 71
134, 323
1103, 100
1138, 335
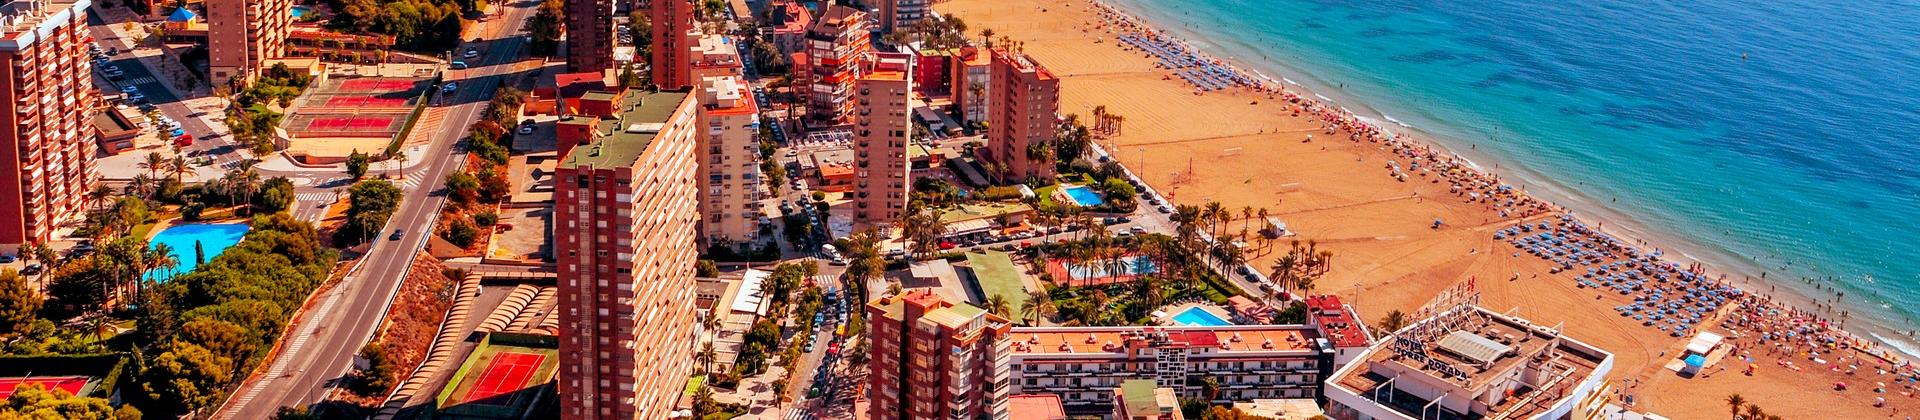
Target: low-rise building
1084, 364
1036, 407
1141, 399
1469, 362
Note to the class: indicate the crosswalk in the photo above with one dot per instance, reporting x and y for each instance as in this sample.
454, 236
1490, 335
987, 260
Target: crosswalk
799, 413
139, 80
321, 197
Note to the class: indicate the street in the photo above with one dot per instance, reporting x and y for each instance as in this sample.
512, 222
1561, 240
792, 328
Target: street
318, 354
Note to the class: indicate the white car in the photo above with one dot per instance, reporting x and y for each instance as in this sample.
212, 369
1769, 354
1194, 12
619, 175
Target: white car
526, 129
471, 53
130, 89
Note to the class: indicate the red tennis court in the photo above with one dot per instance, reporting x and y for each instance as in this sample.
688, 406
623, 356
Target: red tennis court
506, 373
71, 384
366, 102
350, 123
375, 85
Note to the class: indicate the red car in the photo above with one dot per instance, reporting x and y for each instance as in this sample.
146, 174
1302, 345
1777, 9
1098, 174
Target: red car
183, 140
946, 246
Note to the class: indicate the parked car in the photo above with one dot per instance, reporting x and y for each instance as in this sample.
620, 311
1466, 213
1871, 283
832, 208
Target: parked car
1138, 229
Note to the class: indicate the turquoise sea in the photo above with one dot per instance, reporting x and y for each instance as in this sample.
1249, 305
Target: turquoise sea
1759, 136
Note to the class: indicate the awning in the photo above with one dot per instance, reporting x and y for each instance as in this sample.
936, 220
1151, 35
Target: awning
969, 226
1704, 342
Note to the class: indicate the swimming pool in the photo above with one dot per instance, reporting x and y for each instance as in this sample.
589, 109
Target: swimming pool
301, 12
1196, 316
1136, 265
213, 238
1084, 196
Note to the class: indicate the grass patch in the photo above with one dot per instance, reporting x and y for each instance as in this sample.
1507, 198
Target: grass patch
995, 274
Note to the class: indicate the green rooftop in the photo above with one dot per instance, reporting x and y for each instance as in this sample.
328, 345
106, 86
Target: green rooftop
620, 141
965, 212
1139, 397
997, 275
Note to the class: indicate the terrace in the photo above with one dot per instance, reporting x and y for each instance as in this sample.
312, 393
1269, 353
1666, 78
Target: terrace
1470, 363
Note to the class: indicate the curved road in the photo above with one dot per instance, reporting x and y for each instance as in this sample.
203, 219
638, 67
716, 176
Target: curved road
319, 352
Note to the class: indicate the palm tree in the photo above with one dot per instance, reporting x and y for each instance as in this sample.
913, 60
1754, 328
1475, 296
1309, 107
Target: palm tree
142, 186
1211, 385
153, 164
1246, 217
705, 357
986, 37
179, 168
160, 257
98, 196
1754, 412
1734, 402
999, 306
1394, 320
1038, 306
864, 262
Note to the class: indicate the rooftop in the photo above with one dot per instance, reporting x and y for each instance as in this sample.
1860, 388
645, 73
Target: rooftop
639, 121
1338, 322
1464, 352
1226, 340
20, 18
1141, 397
1035, 407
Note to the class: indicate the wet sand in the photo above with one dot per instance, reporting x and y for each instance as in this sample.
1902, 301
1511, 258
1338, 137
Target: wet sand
1221, 147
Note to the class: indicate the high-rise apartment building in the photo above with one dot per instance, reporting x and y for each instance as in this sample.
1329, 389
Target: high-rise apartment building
897, 15
1021, 118
625, 210
673, 35
729, 161
972, 84
934, 359
243, 34
881, 133
589, 35
46, 134
714, 55
837, 44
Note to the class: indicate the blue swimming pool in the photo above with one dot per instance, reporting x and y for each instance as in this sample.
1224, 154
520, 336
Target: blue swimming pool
1135, 265
1084, 196
213, 238
301, 12
1195, 316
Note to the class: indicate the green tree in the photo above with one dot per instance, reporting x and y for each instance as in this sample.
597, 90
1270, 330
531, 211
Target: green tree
187, 378
463, 187
1394, 320
462, 233
33, 401
222, 338
706, 268
275, 195
372, 202
379, 375
357, 164
19, 305
546, 27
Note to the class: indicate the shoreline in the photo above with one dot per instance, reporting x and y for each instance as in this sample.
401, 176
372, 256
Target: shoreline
1870, 324
1201, 147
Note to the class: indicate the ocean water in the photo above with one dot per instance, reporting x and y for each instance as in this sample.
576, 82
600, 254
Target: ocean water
1760, 136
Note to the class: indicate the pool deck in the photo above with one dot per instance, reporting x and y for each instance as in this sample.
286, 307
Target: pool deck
1167, 313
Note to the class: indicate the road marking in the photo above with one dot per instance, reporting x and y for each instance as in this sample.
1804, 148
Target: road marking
293, 348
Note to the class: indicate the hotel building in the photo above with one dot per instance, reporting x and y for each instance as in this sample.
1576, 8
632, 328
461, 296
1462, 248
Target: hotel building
625, 209
673, 39
1084, 364
46, 130
729, 162
882, 131
243, 34
589, 35
898, 15
1025, 98
1468, 362
837, 44
934, 359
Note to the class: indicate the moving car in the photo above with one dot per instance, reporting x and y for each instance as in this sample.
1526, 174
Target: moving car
397, 234
450, 87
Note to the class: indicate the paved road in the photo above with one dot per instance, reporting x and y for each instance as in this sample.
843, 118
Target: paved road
207, 139
318, 354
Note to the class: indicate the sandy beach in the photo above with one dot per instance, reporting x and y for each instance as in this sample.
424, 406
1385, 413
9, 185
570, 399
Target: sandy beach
1248, 149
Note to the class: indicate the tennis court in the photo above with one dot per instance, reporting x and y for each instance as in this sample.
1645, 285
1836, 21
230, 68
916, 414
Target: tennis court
376, 85
509, 372
349, 123
365, 102
71, 384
